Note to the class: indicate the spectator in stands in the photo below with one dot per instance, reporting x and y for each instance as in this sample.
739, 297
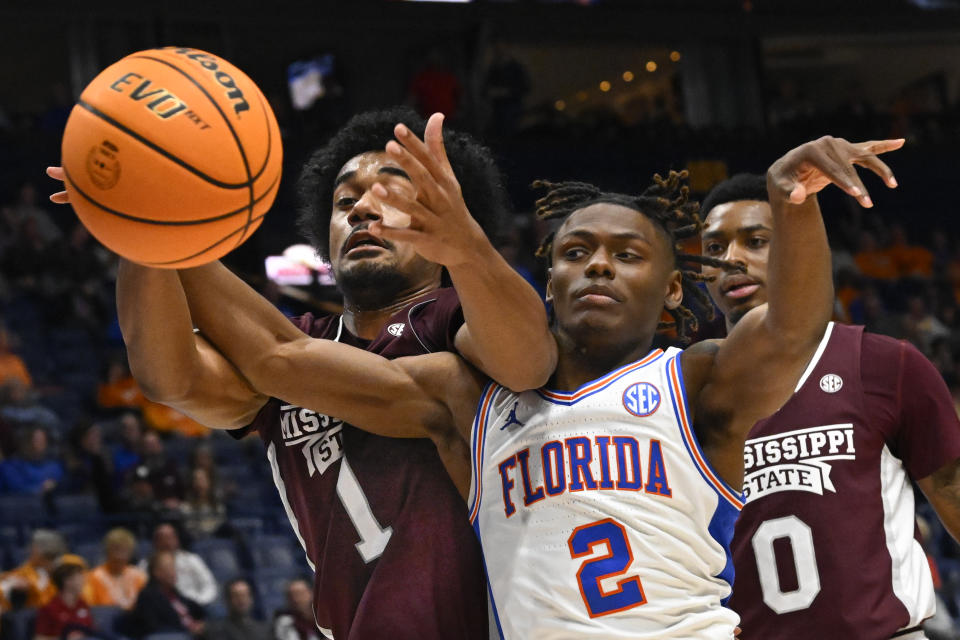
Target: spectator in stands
160, 471
88, 465
29, 585
161, 606
18, 405
67, 615
435, 87
911, 260
202, 458
12, 366
116, 582
33, 470
126, 453
873, 261
921, 326
239, 623
204, 513
296, 622
119, 389
194, 578
26, 210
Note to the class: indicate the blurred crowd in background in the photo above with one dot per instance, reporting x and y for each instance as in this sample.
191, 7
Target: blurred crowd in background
102, 492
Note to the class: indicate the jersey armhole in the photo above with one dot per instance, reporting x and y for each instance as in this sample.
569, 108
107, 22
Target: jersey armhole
478, 437
681, 411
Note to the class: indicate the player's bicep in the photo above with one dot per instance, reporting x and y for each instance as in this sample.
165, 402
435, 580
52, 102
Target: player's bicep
219, 396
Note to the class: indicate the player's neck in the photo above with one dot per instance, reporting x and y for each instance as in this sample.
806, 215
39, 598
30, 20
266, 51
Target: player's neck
579, 364
368, 323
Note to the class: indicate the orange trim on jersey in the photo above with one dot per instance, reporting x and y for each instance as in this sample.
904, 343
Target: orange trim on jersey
480, 437
694, 448
596, 385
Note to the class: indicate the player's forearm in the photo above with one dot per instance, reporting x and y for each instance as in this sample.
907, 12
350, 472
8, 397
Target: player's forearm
942, 489
157, 330
238, 321
800, 282
509, 338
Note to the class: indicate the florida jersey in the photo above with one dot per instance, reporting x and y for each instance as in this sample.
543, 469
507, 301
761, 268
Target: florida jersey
598, 513
825, 546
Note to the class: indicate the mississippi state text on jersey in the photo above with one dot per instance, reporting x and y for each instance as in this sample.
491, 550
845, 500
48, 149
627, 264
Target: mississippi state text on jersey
598, 514
383, 527
825, 546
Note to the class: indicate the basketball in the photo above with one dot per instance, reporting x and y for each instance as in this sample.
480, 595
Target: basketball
172, 157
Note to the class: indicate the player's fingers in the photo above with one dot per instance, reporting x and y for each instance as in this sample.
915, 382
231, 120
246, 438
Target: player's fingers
433, 136
837, 165
60, 197
881, 146
878, 166
427, 187
868, 158
413, 208
418, 149
55, 172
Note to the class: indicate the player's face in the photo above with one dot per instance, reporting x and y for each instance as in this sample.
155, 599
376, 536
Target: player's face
613, 272
352, 249
738, 232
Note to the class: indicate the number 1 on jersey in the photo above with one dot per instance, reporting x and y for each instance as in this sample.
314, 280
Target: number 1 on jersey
616, 562
373, 537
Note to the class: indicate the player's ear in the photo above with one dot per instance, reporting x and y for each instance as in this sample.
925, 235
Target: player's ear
549, 295
674, 292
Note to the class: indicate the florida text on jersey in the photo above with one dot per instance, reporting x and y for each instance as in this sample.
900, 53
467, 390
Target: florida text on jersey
598, 513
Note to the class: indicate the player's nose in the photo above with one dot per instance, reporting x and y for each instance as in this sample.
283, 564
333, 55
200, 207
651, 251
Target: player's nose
367, 209
599, 265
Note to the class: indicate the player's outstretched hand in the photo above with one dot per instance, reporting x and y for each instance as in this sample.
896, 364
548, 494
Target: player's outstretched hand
441, 227
59, 197
809, 168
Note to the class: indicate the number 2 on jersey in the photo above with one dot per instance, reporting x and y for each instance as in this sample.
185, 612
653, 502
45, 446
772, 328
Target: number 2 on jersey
616, 562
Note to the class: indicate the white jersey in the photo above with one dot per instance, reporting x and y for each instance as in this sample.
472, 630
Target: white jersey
598, 513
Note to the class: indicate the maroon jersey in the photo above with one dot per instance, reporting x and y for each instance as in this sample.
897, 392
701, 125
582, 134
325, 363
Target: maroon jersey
383, 526
825, 546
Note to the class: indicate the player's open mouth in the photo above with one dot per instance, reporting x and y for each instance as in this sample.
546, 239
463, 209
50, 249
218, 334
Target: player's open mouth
739, 286
361, 242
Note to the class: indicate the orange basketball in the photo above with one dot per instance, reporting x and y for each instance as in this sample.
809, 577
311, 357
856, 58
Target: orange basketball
172, 157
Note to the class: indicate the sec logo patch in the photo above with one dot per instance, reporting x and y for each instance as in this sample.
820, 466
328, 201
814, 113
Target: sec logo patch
641, 399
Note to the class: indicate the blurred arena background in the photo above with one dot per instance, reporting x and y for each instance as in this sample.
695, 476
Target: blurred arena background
608, 91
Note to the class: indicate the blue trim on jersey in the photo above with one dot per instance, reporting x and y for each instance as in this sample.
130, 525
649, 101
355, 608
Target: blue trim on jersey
721, 530
493, 603
693, 434
616, 373
478, 431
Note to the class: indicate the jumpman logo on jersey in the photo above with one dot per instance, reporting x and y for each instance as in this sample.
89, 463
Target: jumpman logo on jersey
512, 418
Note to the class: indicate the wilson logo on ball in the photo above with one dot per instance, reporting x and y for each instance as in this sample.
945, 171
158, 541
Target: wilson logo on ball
223, 78
103, 167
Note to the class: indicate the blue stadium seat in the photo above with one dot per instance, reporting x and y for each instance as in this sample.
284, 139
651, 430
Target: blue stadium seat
92, 552
105, 618
71, 508
24, 510
275, 552
220, 555
21, 623
270, 586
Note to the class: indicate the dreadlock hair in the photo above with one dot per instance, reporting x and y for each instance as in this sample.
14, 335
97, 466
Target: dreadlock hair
480, 179
743, 186
667, 203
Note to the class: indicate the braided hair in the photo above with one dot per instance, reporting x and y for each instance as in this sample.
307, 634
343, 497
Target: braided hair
666, 202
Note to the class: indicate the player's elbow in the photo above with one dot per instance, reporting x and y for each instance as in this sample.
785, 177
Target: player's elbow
532, 372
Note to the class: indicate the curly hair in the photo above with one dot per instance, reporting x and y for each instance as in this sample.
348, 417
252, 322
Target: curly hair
480, 180
666, 202
743, 186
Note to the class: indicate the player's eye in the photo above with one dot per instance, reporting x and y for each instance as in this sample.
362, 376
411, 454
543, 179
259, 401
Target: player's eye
629, 255
713, 248
757, 242
574, 253
346, 201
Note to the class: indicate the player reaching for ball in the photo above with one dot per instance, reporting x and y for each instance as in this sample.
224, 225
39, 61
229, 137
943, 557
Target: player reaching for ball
828, 475
381, 523
604, 511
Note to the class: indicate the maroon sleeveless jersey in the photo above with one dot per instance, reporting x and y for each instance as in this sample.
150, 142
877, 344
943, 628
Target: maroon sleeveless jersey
825, 546
383, 527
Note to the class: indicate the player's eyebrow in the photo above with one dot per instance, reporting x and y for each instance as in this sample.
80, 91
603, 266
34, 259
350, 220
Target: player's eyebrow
716, 233
589, 235
393, 171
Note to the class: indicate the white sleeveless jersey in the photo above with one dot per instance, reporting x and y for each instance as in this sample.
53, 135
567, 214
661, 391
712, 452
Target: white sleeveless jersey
598, 513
